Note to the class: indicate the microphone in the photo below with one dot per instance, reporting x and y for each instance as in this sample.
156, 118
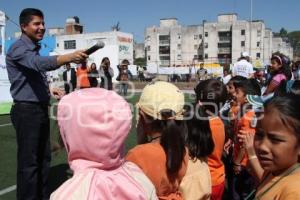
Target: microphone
98, 45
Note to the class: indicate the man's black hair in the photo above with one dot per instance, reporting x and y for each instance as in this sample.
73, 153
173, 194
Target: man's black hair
27, 13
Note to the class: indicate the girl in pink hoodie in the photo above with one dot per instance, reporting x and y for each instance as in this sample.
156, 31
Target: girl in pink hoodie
94, 124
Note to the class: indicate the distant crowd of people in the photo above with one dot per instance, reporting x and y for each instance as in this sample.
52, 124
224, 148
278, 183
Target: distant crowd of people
85, 76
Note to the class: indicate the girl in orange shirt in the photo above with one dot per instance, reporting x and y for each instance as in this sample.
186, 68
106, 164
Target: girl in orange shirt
210, 96
164, 158
82, 76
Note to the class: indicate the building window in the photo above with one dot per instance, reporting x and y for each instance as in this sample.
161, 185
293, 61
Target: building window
70, 44
206, 56
164, 50
195, 57
258, 44
242, 43
148, 48
258, 33
205, 45
57, 45
206, 34
195, 37
257, 55
196, 46
179, 57
179, 36
149, 58
200, 36
243, 32
179, 46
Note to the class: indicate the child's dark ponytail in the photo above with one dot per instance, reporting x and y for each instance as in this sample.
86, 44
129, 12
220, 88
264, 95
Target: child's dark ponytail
172, 140
199, 140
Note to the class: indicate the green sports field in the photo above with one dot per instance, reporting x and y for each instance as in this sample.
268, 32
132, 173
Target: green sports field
59, 169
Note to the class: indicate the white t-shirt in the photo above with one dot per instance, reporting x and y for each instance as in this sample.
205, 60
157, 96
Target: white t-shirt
226, 79
243, 68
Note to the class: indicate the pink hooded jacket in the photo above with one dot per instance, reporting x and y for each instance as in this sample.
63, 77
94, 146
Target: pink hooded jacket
94, 124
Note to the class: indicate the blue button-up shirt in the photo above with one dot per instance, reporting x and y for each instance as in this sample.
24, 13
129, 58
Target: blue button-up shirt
27, 71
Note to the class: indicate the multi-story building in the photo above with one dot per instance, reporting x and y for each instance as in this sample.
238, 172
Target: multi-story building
172, 44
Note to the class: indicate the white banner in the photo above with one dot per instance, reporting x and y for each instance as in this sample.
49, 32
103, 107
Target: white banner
4, 82
2, 18
216, 71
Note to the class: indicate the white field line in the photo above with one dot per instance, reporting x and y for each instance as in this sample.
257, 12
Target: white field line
9, 124
7, 190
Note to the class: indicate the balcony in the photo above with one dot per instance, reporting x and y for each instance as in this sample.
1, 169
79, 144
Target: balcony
224, 39
164, 42
226, 50
165, 62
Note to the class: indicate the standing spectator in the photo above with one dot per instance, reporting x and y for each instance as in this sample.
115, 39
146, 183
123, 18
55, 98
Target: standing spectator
69, 77
202, 73
279, 71
106, 74
124, 76
82, 76
141, 73
93, 75
296, 70
243, 67
226, 76
29, 113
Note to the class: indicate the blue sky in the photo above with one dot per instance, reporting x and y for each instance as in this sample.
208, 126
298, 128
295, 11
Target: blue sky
135, 15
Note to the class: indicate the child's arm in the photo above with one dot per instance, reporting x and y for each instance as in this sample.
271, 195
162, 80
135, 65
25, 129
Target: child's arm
248, 140
237, 162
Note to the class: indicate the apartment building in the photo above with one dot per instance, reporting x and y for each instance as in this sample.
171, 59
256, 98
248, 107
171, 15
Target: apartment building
172, 44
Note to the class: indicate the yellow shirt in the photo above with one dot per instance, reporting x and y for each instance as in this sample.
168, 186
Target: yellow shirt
288, 188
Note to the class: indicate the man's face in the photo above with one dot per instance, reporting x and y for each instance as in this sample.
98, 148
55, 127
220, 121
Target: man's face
35, 29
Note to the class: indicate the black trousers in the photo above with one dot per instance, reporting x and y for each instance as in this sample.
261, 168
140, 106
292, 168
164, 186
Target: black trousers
31, 122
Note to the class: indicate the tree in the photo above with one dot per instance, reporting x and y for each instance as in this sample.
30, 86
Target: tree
294, 38
283, 33
140, 62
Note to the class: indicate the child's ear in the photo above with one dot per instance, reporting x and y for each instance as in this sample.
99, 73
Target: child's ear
246, 100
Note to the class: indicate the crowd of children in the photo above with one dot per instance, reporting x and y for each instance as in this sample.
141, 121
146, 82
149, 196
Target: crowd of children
230, 143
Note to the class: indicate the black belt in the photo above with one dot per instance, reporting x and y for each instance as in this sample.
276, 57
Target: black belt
44, 104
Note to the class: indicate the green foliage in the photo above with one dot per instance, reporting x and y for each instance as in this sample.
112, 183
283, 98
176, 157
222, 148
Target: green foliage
140, 62
294, 38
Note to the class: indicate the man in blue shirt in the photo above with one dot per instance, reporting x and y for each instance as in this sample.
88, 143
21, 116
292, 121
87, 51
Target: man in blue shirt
31, 94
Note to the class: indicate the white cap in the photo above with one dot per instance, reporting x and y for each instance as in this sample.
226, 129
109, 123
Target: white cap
245, 54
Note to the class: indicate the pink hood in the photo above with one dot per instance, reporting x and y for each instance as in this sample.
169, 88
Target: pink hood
94, 124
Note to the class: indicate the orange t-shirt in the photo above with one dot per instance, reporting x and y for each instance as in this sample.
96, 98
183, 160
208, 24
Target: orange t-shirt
215, 163
244, 123
233, 112
82, 78
151, 158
